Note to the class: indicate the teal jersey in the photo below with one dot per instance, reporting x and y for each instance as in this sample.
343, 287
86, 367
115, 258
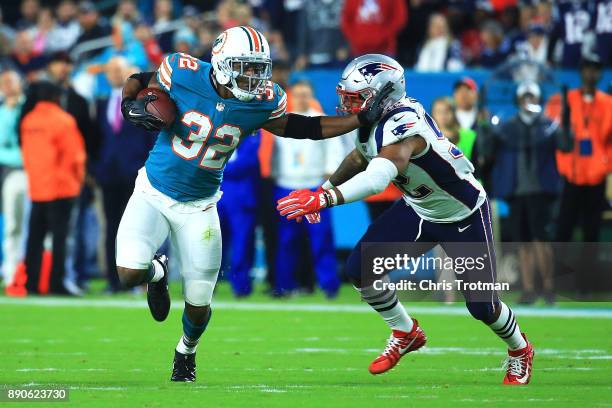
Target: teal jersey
188, 158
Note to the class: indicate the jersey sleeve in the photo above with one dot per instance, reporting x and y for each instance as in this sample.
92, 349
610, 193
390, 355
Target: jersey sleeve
398, 126
280, 102
177, 69
164, 72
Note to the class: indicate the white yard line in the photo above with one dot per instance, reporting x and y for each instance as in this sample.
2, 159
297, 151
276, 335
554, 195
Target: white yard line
304, 370
51, 369
296, 307
565, 354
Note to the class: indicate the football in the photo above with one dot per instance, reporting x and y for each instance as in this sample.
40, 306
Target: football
163, 107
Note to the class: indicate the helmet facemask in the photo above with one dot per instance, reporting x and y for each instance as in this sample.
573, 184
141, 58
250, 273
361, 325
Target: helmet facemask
247, 76
353, 102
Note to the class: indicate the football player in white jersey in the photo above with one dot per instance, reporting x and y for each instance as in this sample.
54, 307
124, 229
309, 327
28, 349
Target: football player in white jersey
442, 203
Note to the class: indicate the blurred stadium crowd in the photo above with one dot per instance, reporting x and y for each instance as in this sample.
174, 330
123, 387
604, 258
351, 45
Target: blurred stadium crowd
61, 59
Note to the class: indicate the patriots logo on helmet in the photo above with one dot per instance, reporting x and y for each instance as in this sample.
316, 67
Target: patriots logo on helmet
403, 128
369, 71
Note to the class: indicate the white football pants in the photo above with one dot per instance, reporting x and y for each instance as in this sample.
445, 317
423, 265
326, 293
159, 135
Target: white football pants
195, 235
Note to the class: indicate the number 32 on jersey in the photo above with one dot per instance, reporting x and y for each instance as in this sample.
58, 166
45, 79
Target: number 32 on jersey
224, 140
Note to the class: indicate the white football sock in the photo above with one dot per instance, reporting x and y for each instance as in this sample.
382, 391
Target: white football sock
388, 306
158, 271
186, 346
508, 329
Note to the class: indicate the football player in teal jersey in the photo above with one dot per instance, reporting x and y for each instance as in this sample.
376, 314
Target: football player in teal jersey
176, 192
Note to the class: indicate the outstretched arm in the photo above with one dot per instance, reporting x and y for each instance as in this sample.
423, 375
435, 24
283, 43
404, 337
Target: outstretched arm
381, 171
312, 127
352, 164
323, 127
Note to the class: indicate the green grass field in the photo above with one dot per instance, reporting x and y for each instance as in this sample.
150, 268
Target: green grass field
302, 352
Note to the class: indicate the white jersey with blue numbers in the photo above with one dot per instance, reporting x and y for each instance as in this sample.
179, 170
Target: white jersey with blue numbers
187, 160
439, 183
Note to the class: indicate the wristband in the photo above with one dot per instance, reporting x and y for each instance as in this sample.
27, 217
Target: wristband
331, 198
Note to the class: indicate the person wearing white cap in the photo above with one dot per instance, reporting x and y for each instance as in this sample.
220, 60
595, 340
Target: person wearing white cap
525, 174
528, 97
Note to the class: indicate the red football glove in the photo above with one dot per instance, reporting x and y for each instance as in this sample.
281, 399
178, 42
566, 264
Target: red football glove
315, 217
303, 202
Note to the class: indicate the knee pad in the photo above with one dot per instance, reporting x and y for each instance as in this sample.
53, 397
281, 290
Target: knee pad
484, 311
199, 291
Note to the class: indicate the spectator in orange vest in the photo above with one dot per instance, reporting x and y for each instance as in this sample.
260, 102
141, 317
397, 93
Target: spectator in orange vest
586, 167
54, 160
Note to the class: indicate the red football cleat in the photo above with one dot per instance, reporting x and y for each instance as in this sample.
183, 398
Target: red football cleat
399, 344
518, 365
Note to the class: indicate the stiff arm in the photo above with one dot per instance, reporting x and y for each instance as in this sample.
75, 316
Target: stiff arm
296, 126
323, 127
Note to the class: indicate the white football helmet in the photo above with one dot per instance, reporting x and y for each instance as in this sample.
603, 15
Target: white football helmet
364, 77
241, 62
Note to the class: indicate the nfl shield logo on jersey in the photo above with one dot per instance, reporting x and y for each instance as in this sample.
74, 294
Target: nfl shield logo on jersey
220, 106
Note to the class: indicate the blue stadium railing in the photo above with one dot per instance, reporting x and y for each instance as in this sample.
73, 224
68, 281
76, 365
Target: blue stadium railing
423, 86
